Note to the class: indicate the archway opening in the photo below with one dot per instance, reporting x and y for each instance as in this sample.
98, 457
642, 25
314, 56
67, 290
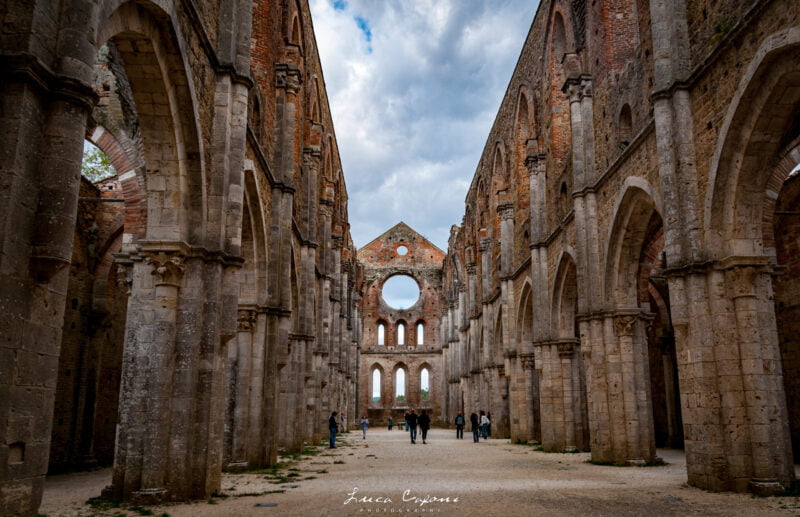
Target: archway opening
424, 386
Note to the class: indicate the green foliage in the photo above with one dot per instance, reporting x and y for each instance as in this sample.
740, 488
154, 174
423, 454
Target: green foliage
96, 165
401, 398
425, 395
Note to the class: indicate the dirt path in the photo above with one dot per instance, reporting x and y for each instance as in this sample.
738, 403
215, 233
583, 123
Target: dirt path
492, 478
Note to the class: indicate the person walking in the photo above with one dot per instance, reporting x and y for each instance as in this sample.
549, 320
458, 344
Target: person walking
391, 423
489, 429
473, 419
406, 419
460, 426
484, 425
364, 426
424, 425
411, 424
333, 426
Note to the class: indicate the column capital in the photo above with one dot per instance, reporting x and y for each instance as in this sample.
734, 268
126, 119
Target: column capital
506, 211
288, 77
168, 266
246, 319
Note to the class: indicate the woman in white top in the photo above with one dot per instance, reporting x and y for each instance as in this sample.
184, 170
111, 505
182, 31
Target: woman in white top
484, 425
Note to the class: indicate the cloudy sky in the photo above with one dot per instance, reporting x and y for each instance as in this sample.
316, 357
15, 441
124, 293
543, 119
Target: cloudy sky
414, 86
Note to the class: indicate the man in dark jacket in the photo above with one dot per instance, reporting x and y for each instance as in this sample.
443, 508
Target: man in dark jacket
333, 426
473, 419
411, 420
460, 425
424, 425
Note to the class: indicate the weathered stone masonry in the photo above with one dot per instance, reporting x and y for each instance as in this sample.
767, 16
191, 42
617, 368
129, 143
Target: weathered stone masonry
401, 251
623, 262
180, 311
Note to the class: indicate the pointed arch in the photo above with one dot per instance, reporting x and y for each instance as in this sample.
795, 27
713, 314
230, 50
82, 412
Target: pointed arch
524, 318
565, 297
637, 210
166, 106
757, 149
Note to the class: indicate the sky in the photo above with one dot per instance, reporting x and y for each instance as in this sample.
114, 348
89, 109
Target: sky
414, 87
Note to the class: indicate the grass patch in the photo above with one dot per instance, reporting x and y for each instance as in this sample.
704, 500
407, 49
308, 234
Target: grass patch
259, 494
140, 510
309, 477
219, 495
338, 462
98, 503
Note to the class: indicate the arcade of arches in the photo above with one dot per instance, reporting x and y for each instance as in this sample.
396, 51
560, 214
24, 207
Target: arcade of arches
625, 275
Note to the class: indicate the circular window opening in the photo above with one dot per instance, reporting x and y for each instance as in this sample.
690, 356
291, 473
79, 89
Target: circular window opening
400, 292
402, 250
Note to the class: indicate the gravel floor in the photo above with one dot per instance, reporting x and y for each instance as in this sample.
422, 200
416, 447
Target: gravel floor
459, 477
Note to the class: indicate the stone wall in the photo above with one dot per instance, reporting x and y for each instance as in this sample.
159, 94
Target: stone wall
401, 251
630, 306
202, 302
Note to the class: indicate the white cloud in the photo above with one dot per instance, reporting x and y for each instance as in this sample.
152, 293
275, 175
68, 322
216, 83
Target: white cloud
414, 87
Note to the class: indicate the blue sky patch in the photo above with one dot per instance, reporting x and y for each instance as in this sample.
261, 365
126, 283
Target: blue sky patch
339, 5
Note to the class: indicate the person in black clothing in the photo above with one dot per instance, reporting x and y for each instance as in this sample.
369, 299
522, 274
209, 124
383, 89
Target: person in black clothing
460, 425
473, 419
411, 421
333, 426
489, 427
424, 425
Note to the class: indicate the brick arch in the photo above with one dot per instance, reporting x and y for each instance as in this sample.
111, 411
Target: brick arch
166, 106
751, 160
131, 181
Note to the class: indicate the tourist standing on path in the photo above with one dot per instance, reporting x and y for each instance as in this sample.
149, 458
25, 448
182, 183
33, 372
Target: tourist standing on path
333, 427
411, 424
364, 426
460, 426
484, 425
424, 425
406, 418
473, 419
391, 423
489, 429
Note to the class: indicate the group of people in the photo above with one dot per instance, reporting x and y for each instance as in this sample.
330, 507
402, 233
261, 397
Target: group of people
422, 420
481, 426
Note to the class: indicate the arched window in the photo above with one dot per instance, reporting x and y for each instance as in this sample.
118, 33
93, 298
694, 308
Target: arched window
376, 385
420, 333
625, 127
381, 334
400, 385
424, 386
401, 333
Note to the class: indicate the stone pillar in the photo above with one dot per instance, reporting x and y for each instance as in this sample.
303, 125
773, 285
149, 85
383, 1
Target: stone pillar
618, 380
562, 400
530, 423
240, 370
506, 212
43, 122
732, 392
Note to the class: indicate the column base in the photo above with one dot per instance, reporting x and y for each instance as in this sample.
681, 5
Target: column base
570, 448
636, 462
149, 496
765, 487
234, 466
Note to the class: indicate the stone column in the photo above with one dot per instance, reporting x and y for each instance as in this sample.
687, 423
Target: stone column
561, 392
240, 370
43, 122
734, 404
141, 459
618, 380
530, 424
